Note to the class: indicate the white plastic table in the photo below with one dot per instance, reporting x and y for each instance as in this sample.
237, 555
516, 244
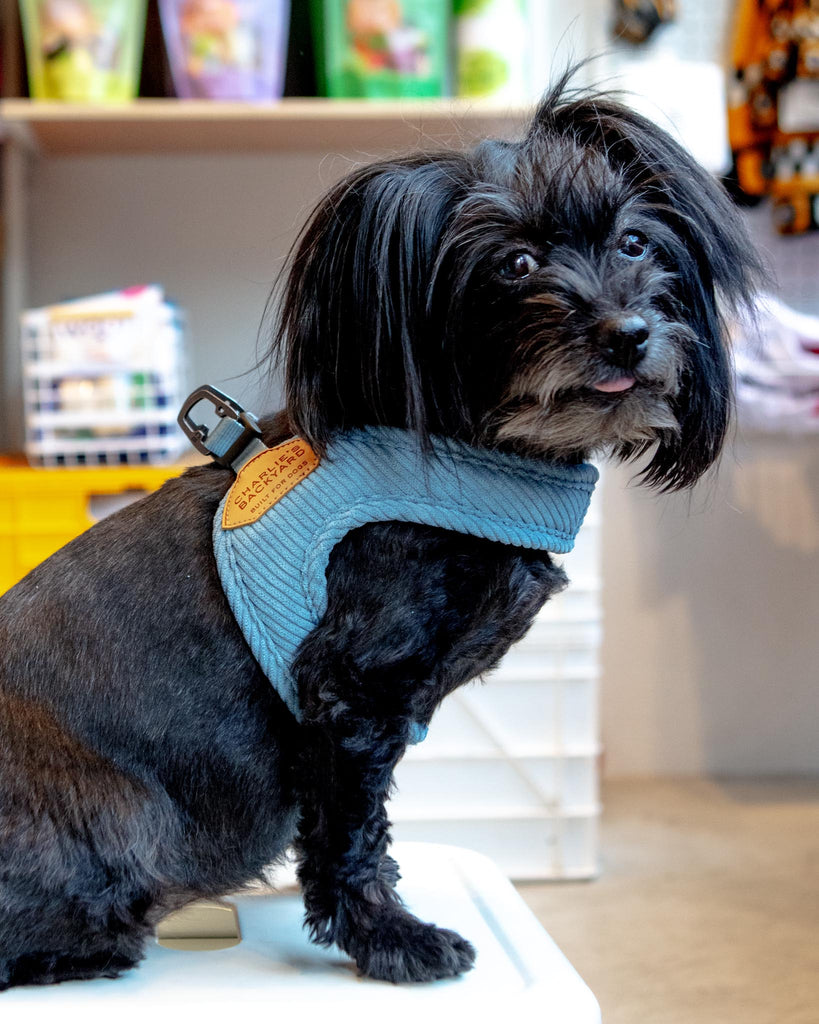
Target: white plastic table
276, 974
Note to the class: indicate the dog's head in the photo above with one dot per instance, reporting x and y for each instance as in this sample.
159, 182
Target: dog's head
557, 296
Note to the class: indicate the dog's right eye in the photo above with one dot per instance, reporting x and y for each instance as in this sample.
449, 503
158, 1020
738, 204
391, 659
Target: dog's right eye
519, 265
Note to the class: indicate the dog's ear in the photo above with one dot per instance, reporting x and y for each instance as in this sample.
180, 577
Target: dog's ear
354, 334
715, 265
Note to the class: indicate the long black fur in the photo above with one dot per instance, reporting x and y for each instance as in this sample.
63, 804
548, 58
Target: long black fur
145, 760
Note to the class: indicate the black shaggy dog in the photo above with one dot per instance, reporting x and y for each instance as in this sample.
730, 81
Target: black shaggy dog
553, 297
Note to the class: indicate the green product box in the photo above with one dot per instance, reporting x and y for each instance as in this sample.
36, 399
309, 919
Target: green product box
381, 49
83, 50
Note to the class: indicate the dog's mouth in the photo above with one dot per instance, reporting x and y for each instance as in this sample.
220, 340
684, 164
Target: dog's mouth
606, 392
615, 386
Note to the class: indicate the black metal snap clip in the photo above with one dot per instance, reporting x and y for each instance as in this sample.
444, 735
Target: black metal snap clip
234, 431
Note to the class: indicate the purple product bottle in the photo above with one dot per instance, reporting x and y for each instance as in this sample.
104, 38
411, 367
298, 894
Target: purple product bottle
226, 49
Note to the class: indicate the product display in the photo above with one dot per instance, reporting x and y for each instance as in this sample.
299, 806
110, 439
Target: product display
83, 49
381, 48
773, 121
491, 48
226, 49
103, 377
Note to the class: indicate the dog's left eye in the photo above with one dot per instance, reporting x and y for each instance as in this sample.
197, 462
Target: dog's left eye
519, 265
633, 245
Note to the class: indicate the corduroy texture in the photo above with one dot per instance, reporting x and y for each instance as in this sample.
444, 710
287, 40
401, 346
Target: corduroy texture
273, 570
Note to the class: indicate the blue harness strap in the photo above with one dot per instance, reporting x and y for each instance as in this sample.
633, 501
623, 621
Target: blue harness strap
273, 570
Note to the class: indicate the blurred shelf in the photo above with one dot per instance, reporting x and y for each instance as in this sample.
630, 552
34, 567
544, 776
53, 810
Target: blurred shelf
205, 126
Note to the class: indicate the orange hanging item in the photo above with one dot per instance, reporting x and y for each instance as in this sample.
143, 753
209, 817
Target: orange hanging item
773, 107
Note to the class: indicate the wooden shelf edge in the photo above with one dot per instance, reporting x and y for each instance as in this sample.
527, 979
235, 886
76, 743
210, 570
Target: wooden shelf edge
169, 125
287, 109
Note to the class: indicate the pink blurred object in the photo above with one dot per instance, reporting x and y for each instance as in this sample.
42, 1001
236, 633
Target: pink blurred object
777, 369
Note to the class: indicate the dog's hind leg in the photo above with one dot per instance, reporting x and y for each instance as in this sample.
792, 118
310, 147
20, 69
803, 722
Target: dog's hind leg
63, 943
80, 867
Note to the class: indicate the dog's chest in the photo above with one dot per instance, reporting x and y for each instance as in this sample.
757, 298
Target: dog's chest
273, 566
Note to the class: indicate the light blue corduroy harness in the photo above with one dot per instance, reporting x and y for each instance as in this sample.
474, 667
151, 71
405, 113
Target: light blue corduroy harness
273, 570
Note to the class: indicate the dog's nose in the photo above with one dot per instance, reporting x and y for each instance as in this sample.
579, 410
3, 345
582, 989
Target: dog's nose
625, 340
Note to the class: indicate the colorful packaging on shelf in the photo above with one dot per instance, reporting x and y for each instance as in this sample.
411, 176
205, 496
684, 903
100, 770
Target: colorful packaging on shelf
491, 49
380, 49
103, 379
83, 50
226, 49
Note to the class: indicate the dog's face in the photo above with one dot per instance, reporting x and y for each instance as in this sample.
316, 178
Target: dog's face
556, 297
573, 293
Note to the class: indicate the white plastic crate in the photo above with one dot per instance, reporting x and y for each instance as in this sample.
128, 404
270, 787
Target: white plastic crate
510, 765
519, 972
103, 380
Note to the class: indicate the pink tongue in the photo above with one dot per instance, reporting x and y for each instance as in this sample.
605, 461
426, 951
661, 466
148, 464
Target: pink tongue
610, 386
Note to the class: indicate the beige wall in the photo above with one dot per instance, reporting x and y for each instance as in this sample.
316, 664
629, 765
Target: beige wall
712, 603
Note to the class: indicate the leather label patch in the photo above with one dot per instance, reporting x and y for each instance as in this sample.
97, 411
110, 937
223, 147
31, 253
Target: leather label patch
266, 479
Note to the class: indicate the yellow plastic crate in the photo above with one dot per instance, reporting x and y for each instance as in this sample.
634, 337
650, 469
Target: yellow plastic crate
43, 509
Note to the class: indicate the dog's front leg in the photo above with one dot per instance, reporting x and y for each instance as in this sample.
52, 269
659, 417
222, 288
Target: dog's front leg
346, 874
412, 613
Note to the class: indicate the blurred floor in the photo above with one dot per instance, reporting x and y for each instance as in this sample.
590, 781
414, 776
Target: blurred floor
707, 908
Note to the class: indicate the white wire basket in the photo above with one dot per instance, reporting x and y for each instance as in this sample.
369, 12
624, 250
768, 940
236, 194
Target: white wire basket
103, 378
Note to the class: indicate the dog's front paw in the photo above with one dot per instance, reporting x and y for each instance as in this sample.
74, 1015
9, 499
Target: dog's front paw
399, 947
